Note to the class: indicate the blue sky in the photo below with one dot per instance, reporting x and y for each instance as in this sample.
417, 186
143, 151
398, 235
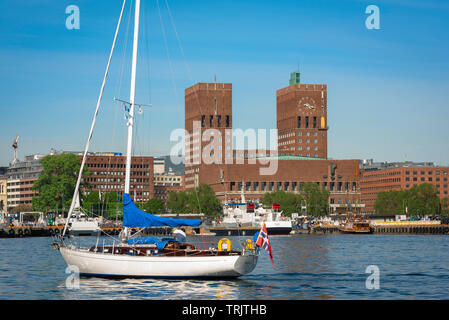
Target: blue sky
388, 89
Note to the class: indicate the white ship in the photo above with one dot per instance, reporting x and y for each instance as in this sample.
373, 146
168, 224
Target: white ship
245, 219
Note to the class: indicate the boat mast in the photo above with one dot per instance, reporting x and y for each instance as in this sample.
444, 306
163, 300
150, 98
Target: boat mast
131, 97
131, 102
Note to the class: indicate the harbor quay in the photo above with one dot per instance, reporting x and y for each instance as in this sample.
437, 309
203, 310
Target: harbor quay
409, 227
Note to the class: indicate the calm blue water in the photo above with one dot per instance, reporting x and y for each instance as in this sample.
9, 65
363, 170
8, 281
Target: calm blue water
307, 267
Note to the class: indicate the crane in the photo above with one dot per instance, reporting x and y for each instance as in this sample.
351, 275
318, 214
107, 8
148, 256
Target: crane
15, 146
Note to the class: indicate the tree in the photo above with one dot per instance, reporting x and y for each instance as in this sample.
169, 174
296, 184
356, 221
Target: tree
178, 202
390, 202
288, 201
420, 200
445, 206
200, 200
317, 201
107, 204
57, 181
154, 206
203, 200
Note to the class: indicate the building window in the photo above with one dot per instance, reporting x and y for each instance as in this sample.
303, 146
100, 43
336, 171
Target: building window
211, 121
407, 172
299, 134
203, 121
299, 122
314, 122
263, 186
227, 121
219, 121
307, 122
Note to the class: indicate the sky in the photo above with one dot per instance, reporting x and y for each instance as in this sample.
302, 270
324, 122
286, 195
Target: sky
388, 88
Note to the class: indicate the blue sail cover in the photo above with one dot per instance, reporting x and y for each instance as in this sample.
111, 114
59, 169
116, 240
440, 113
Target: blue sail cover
133, 217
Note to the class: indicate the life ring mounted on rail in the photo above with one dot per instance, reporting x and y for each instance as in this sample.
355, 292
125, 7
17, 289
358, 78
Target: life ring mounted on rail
224, 245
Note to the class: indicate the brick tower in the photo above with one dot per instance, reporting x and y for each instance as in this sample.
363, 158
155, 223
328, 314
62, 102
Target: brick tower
302, 119
207, 106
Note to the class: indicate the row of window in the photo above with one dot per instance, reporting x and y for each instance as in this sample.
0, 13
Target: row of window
290, 186
423, 172
306, 122
116, 165
423, 179
218, 121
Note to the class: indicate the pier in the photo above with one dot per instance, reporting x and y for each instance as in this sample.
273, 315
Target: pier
32, 231
402, 228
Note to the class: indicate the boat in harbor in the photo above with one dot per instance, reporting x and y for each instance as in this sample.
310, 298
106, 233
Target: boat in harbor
82, 225
245, 219
130, 256
356, 225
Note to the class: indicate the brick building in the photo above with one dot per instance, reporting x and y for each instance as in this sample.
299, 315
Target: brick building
302, 119
207, 106
108, 175
302, 139
400, 176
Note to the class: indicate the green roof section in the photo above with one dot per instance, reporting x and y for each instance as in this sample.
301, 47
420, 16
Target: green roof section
295, 78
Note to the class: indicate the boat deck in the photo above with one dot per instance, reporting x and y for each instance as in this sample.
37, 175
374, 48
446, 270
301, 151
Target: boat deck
171, 250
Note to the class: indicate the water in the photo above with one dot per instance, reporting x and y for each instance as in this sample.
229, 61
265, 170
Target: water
307, 267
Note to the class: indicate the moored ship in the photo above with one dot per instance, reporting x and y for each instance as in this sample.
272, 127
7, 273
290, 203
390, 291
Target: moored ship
356, 226
244, 219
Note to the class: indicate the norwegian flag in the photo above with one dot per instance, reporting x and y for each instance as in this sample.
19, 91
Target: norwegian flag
264, 242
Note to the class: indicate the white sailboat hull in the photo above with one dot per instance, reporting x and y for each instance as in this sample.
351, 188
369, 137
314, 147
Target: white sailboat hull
118, 265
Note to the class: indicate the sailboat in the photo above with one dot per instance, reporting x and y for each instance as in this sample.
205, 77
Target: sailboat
148, 257
355, 224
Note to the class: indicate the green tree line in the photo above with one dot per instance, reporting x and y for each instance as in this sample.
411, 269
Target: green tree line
419, 200
311, 196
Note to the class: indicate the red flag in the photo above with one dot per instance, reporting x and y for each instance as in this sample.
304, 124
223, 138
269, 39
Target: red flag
264, 242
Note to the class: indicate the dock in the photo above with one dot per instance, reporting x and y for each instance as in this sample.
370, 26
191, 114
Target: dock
47, 231
392, 228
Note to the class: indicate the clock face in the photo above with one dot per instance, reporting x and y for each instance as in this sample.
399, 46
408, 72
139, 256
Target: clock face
306, 105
